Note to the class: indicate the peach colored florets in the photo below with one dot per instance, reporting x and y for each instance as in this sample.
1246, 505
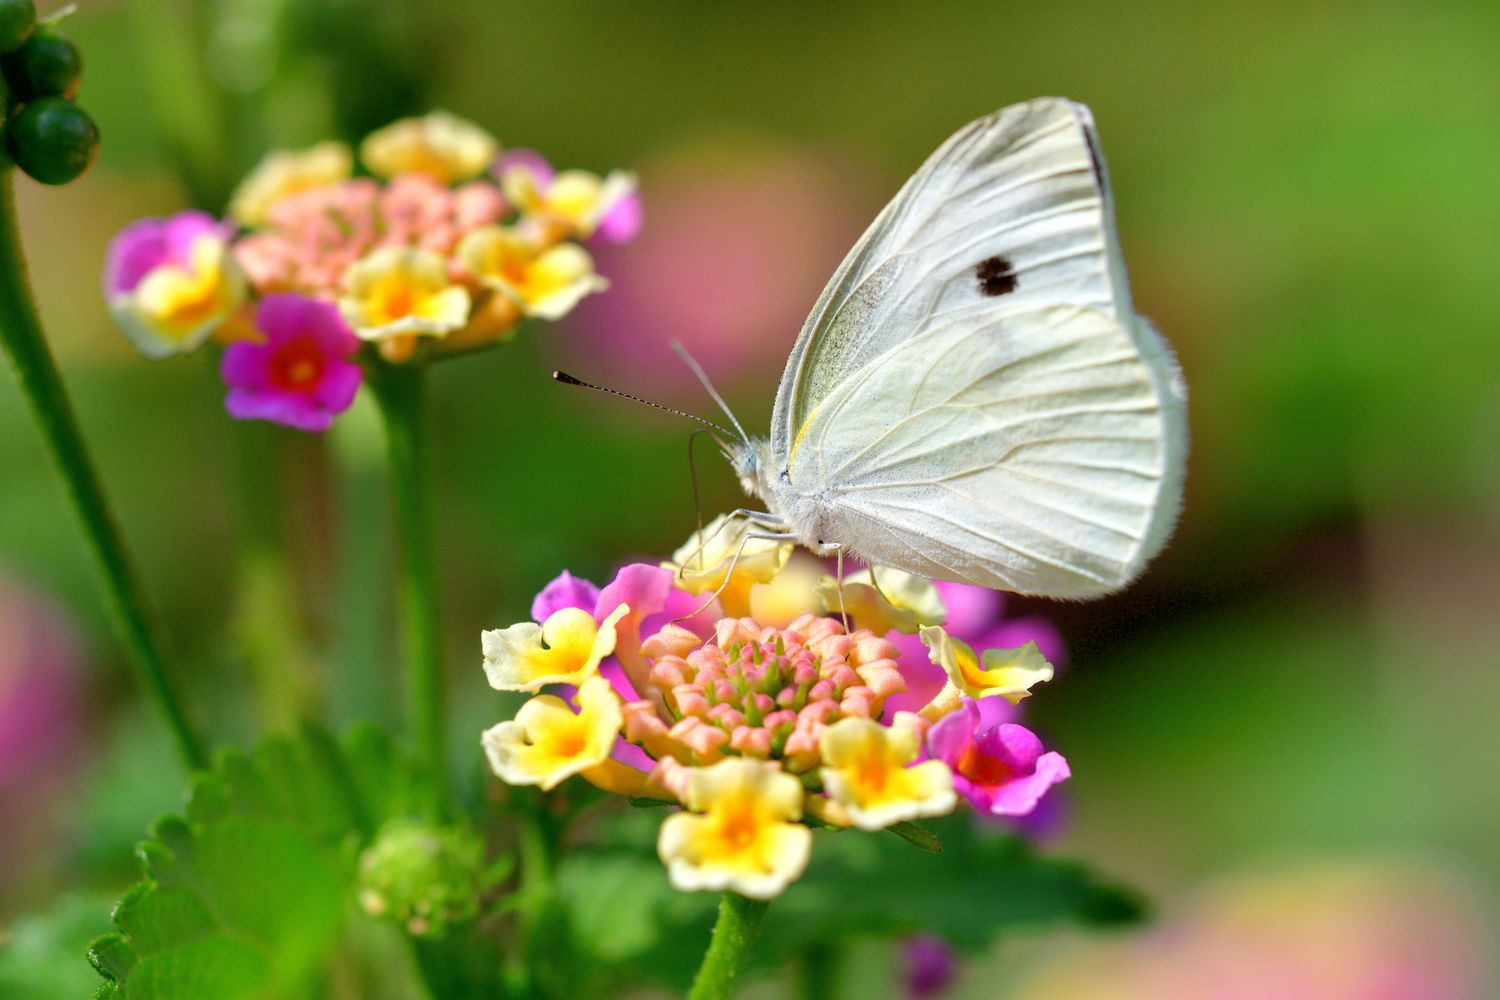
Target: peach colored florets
755, 691
313, 236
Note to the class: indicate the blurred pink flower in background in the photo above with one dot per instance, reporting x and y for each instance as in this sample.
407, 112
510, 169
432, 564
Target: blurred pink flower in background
41, 718
1352, 931
314, 236
928, 966
738, 245
301, 375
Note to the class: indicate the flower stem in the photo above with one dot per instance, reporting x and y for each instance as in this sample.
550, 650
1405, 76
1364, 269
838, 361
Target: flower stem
401, 393
729, 950
267, 613
32, 362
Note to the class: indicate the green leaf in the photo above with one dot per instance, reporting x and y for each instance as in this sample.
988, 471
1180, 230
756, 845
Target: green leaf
981, 884
917, 836
246, 897
625, 916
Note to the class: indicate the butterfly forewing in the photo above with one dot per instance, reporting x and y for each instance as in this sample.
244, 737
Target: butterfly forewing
1009, 214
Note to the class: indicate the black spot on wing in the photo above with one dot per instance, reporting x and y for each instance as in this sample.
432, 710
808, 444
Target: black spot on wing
996, 276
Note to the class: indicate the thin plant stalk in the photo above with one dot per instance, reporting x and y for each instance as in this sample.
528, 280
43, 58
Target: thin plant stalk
401, 393
729, 950
268, 623
35, 369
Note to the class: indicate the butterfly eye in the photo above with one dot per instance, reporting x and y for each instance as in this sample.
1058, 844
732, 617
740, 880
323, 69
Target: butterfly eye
786, 476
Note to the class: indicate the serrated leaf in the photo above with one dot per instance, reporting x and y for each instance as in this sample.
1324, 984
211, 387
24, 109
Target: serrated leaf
858, 884
983, 883
111, 956
245, 898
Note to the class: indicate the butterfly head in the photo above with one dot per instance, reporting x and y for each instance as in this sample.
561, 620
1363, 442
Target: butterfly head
752, 462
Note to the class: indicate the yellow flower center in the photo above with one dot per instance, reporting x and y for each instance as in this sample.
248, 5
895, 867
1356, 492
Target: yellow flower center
393, 299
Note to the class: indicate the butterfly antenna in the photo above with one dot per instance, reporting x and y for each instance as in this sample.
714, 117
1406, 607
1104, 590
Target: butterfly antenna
719, 433
697, 370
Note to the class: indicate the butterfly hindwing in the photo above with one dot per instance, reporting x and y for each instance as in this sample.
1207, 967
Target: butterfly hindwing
1026, 453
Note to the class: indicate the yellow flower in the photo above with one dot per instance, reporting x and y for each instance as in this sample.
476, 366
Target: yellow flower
566, 649
441, 145
902, 602
174, 309
547, 743
744, 840
546, 283
401, 290
864, 770
703, 561
1009, 673
576, 198
789, 594
285, 173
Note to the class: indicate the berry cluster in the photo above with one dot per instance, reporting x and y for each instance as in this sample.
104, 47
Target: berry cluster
49, 137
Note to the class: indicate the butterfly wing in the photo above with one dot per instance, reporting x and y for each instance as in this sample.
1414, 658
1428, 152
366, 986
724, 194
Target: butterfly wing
1029, 452
1019, 196
973, 397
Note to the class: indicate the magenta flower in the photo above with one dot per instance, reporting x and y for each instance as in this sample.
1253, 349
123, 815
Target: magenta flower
300, 375
929, 966
1000, 768
566, 591
622, 221
147, 244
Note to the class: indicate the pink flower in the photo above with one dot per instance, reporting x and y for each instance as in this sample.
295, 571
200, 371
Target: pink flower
147, 244
566, 591
1001, 769
738, 245
299, 375
313, 236
622, 221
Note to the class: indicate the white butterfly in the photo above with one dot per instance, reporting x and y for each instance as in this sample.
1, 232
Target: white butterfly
973, 397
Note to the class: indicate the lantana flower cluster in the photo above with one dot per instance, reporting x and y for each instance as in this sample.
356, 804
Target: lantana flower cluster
762, 704
440, 244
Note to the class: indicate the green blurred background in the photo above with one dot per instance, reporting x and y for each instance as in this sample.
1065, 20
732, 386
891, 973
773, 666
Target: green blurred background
1308, 201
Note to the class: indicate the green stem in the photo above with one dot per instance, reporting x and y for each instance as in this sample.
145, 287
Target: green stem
544, 966
729, 950
32, 362
401, 393
187, 105
267, 614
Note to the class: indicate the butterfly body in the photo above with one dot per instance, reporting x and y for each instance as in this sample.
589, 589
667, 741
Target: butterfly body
973, 397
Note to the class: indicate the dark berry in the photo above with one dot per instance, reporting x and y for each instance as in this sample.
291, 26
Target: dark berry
53, 140
48, 65
17, 18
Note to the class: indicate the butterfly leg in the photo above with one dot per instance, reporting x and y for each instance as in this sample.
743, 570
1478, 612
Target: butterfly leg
770, 536
762, 518
839, 581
